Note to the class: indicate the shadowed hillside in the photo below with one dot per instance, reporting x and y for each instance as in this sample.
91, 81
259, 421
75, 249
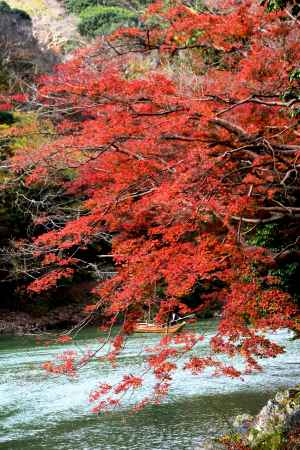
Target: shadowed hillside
53, 27
21, 56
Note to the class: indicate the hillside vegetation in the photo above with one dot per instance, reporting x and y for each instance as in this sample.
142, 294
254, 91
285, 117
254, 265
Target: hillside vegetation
100, 17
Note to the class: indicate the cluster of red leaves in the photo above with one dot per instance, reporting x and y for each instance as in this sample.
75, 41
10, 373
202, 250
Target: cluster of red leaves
106, 390
177, 175
161, 362
231, 445
67, 366
50, 279
9, 101
178, 27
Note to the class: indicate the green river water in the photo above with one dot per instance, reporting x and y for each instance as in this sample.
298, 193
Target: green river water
39, 411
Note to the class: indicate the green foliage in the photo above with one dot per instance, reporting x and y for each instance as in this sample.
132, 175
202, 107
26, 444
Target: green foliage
294, 92
295, 74
272, 441
265, 236
78, 6
6, 118
295, 112
289, 276
272, 237
198, 5
105, 16
275, 5
290, 94
193, 39
98, 20
4, 8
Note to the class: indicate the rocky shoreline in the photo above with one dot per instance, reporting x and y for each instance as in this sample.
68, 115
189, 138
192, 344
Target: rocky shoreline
275, 427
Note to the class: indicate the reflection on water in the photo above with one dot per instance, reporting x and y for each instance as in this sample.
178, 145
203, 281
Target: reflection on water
38, 411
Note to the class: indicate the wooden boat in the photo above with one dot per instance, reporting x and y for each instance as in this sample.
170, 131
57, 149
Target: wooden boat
156, 328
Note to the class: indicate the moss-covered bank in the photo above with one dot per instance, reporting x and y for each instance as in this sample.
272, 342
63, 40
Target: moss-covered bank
276, 427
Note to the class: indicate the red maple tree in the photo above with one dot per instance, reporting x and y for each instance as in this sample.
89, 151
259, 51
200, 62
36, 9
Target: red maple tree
178, 169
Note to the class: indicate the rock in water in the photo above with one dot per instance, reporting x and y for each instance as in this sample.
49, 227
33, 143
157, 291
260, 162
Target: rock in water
271, 428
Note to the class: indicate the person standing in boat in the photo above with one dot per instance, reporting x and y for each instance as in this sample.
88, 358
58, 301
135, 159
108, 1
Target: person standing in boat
175, 317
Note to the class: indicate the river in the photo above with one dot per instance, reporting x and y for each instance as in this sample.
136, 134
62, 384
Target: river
40, 411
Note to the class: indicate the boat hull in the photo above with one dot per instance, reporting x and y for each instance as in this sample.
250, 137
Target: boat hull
152, 328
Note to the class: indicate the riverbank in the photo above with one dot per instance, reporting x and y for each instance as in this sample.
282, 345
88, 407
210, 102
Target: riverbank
20, 323
275, 427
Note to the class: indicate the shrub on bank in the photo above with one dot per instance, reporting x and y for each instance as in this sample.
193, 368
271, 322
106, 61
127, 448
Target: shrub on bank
4, 8
78, 6
97, 20
276, 427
